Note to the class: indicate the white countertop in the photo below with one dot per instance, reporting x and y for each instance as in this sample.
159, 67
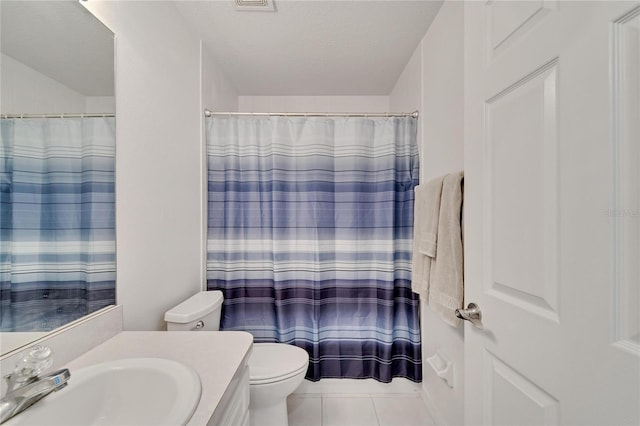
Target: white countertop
215, 355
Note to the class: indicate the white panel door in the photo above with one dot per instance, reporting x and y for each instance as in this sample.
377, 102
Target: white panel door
552, 212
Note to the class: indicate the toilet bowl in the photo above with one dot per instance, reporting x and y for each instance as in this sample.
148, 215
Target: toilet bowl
275, 369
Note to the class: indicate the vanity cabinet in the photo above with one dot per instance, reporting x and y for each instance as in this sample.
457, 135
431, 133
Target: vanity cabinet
233, 409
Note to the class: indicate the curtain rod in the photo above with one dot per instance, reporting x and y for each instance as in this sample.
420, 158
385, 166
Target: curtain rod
63, 115
414, 114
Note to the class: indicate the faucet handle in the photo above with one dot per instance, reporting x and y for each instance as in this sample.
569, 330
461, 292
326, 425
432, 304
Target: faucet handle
33, 362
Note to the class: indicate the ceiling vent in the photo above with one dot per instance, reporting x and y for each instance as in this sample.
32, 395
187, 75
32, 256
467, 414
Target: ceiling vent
255, 5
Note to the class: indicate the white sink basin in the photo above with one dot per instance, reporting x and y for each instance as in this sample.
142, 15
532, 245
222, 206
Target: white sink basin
133, 391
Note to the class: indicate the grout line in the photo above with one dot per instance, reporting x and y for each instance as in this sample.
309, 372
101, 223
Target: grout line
375, 411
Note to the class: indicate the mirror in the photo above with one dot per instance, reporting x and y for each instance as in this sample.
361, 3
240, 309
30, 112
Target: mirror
57, 168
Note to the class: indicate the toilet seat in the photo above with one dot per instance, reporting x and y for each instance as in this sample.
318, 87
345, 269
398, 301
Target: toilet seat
274, 362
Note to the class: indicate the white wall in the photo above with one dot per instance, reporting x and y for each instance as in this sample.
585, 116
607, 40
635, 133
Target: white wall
99, 104
217, 94
27, 91
434, 80
314, 103
443, 91
406, 94
443, 142
158, 189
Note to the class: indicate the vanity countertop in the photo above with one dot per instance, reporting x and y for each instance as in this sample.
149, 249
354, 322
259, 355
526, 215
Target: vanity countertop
215, 355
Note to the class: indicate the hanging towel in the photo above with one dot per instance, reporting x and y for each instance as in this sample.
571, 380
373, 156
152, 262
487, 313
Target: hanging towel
446, 287
425, 233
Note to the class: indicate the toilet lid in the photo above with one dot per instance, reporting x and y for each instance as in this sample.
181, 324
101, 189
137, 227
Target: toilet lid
270, 362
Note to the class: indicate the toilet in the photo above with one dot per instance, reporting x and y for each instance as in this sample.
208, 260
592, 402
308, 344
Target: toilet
275, 369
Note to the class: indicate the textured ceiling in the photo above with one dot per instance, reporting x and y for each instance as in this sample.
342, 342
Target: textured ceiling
62, 40
312, 47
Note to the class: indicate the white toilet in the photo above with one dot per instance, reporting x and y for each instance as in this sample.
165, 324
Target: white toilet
276, 369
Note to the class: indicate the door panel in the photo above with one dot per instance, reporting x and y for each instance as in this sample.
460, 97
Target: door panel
507, 20
513, 399
626, 191
521, 196
552, 240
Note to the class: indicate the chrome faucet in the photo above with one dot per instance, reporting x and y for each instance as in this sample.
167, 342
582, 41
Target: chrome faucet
26, 386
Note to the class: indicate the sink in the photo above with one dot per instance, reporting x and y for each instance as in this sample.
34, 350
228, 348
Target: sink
132, 391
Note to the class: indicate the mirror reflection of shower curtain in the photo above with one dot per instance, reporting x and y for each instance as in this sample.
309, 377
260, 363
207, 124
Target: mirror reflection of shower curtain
310, 226
57, 217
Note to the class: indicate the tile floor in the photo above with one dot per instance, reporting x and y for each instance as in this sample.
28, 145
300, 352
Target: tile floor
358, 410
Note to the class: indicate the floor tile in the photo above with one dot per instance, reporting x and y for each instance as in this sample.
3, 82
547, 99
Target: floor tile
402, 411
347, 411
304, 410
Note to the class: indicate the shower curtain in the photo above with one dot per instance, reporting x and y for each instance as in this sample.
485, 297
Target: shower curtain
309, 238
57, 218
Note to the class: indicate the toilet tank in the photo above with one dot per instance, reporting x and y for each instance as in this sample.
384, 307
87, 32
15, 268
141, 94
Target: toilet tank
199, 312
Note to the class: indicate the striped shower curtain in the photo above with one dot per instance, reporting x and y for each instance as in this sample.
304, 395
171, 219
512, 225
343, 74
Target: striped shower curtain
309, 238
57, 218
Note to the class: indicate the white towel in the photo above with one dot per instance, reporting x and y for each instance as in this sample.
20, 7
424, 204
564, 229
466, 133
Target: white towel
446, 285
425, 233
